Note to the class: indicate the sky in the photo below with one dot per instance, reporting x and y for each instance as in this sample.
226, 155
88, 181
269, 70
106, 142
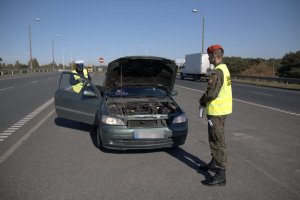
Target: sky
90, 29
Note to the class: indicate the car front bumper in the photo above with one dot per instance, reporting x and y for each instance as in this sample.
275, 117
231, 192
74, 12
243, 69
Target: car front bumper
123, 138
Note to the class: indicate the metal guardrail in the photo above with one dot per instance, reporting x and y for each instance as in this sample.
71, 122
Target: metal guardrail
268, 79
4, 72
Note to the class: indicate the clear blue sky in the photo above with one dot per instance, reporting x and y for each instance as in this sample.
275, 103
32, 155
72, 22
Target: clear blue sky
91, 29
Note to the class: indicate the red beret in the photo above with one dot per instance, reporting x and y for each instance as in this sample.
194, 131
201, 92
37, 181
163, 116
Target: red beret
214, 47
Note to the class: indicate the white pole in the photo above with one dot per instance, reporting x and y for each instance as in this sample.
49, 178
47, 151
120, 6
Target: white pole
63, 58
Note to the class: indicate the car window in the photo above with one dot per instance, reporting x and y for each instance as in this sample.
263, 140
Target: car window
70, 84
65, 82
138, 91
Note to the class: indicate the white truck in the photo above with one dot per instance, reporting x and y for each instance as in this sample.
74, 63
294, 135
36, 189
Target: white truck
196, 67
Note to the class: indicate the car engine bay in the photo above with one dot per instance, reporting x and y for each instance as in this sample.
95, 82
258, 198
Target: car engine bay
143, 108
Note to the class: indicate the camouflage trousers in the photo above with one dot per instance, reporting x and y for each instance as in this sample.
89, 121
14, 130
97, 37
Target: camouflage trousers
216, 137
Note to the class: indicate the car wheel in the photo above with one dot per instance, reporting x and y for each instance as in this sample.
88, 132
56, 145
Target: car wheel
194, 77
181, 76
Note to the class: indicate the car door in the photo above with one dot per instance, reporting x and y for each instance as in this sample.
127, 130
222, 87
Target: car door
82, 106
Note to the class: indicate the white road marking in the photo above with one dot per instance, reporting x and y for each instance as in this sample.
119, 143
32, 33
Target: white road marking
24, 138
16, 126
23, 121
6, 88
6, 133
9, 131
34, 82
30, 116
19, 124
246, 102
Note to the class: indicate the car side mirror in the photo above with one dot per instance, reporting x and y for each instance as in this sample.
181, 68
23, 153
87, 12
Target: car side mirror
89, 93
174, 93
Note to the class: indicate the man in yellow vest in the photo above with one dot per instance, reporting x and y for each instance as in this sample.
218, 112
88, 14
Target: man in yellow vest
217, 101
77, 81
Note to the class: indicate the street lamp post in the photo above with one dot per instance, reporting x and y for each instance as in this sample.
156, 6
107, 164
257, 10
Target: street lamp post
30, 47
203, 24
30, 50
53, 51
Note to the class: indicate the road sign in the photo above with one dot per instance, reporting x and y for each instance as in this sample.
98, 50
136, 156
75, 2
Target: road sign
101, 60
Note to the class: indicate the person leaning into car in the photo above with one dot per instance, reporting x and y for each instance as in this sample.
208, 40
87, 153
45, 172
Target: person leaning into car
217, 101
77, 81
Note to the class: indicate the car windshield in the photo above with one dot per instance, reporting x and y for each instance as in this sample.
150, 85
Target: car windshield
138, 91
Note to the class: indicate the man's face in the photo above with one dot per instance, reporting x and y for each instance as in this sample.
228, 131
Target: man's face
79, 67
211, 58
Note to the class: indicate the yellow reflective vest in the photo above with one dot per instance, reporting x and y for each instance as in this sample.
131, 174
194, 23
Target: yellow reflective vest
77, 88
222, 105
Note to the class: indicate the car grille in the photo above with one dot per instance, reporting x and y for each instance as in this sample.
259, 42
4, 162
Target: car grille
146, 123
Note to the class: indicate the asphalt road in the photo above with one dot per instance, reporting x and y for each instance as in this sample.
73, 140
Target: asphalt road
50, 158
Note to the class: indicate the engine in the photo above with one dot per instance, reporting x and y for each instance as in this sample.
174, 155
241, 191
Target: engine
137, 108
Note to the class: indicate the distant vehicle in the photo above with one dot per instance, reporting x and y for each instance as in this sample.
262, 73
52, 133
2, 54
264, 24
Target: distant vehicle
134, 109
196, 66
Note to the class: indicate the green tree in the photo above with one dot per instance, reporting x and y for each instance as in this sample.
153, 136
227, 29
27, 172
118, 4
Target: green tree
290, 65
17, 64
35, 63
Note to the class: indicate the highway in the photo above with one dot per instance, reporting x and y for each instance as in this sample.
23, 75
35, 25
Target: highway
43, 157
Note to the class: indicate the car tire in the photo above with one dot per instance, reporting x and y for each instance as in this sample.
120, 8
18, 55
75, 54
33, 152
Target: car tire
195, 77
181, 76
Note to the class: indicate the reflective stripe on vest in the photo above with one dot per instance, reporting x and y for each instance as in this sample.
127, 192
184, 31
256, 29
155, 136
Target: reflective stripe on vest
222, 105
77, 88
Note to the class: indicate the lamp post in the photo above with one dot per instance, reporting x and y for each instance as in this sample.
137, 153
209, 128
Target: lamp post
30, 47
203, 24
53, 51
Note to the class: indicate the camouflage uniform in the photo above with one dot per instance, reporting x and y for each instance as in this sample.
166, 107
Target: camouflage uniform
216, 128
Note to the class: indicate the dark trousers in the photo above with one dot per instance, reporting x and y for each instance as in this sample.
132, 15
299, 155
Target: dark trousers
216, 138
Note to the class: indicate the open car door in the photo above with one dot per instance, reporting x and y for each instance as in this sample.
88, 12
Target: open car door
76, 105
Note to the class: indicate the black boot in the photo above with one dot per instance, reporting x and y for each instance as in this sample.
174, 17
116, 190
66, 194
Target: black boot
211, 166
218, 179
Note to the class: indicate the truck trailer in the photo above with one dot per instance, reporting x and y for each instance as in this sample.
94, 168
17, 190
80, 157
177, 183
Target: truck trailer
196, 66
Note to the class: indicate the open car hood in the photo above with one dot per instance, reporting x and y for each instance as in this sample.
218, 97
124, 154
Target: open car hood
141, 71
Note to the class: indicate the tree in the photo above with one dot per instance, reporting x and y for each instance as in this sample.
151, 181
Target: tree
290, 65
17, 64
35, 63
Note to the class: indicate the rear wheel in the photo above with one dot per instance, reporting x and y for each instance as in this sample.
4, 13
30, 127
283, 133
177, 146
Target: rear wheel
181, 76
195, 77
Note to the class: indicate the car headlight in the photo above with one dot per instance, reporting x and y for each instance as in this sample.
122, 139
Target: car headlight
180, 119
111, 120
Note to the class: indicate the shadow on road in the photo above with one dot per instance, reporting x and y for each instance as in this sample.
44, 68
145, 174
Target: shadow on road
73, 124
188, 159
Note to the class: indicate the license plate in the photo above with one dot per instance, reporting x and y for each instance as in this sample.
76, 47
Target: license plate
148, 134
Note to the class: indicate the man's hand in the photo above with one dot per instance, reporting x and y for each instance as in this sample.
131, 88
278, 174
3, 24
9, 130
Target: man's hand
202, 100
82, 80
